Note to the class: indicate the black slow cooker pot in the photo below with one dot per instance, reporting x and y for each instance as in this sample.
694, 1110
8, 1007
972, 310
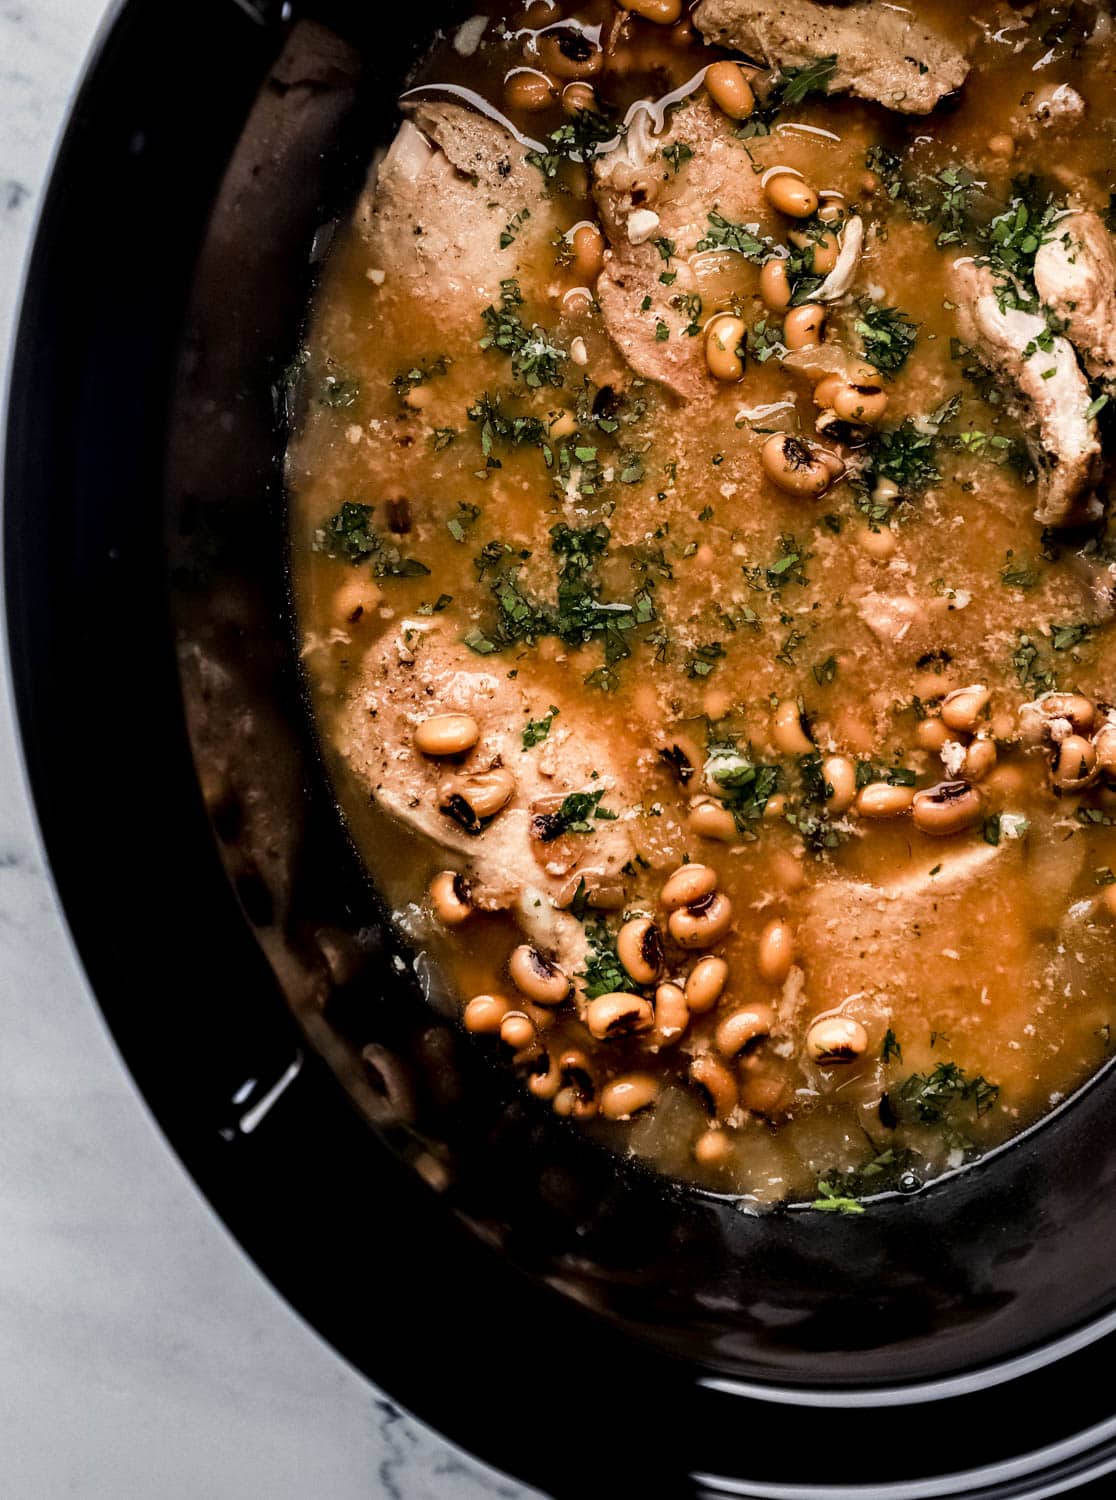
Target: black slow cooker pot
568, 1318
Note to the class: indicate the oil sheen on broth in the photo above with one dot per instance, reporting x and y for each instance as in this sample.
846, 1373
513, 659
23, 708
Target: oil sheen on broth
699, 535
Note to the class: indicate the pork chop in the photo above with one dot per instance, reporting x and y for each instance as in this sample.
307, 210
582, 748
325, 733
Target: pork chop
516, 861
882, 51
655, 216
1052, 393
1075, 273
436, 207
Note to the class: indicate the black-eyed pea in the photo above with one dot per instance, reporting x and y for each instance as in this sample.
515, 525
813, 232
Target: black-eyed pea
724, 341
672, 1014
744, 1030
484, 1013
878, 542
472, 800
932, 734
545, 1077
702, 923
963, 709
588, 246
618, 1014
839, 774
865, 404
825, 391
1002, 145
623, 1097
775, 808
578, 97
789, 193
980, 758
789, 731
714, 1084
447, 734
1107, 902
563, 424
1104, 743
705, 984
775, 953
950, 807
775, 285
804, 470
537, 977
879, 799
688, 884
640, 950
832, 208
579, 1083
713, 1148
710, 820
451, 898
662, 12
355, 600
517, 1030
528, 91
803, 326
566, 53
1073, 764
538, 13
1037, 719
835, 1040
730, 89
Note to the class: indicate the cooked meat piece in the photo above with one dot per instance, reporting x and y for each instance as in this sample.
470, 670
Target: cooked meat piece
642, 200
882, 51
894, 619
1052, 391
951, 912
435, 208
516, 861
1075, 273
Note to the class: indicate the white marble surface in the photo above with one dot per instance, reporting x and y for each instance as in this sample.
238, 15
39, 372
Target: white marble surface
141, 1355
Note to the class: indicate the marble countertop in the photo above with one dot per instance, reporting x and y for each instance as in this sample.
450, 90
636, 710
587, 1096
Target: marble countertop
143, 1353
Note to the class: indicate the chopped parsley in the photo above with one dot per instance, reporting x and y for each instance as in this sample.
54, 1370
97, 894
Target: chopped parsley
534, 359
905, 455
575, 815
943, 1096
537, 730
579, 140
723, 234
891, 1047
496, 425
339, 392
677, 155
797, 84
603, 972
407, 380
351, 535
513, 226
887, 337
1018, 574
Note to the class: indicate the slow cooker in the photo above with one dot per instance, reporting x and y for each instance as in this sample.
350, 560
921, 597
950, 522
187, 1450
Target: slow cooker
570, 1318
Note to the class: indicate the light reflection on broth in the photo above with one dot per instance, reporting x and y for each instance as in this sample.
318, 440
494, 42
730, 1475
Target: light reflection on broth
782, 626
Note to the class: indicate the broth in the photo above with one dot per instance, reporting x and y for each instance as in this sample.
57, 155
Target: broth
501, 508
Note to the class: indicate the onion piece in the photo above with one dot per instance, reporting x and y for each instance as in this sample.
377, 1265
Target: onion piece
837, 283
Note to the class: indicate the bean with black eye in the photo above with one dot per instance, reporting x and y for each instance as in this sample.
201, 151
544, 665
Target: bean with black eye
834, 1040
618, 1014
744, 1029
715, 1085
947, 808
703, 923
640, 949
536, 977
451, 898
623, 1097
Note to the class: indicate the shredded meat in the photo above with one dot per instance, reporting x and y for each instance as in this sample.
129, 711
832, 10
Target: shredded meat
882, 51
1052, 393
